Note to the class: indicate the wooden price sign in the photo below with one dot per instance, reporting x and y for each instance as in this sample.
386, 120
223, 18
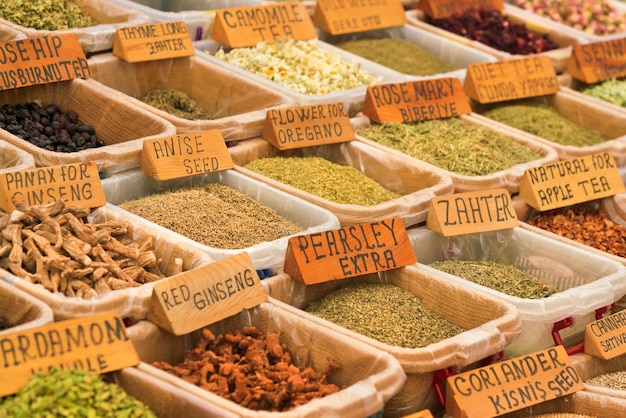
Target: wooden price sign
41, 60
238, 27
153, 41
185, 155
598, 61
196, 298
511, 385
350, 16
416, 101
606, 337
465, 213
350, 251
75, 184
500, 81
569, 182
444, 8
307, 126
95, 343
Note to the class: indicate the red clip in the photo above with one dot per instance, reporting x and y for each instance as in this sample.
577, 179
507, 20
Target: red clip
440, 377
493, 358
603, 310
567, 322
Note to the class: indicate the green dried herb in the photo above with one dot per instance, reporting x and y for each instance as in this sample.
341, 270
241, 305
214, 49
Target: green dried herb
453, 144
613, 91
543, 120
504, 278
175, 102
337, 183
45, 14
398, 54
384, 312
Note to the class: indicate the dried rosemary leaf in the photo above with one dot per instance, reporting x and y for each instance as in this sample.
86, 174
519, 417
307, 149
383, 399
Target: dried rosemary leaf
45, 14
338, 183
384, 312
613, 91
175, 102
452, 144
540, 119
504, 278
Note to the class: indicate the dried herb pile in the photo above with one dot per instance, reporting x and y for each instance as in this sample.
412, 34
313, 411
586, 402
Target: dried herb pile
452, 144
338, 183
543, 120
175, 102
45, 14
504, 278
398, 54
384, 312
612, 91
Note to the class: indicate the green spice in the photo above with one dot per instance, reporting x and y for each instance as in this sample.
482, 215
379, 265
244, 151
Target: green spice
540, 119
398, 54
613, 91
338, 183
175, 102
214, 215
45, 14
452, 144
504, 278
615, 380
384, 312
72, 393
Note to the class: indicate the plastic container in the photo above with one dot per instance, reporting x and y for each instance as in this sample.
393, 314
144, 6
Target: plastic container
22, 310
13, 158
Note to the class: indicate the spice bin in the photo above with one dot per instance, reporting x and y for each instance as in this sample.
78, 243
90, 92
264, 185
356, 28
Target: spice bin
585, 282
414, 181
13, 158
591, 367
368, 377
10, 34
581, 403
612, 97
122, 126
134, 184
22, 310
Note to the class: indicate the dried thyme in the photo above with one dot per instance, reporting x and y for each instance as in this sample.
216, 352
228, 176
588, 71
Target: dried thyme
615, 380
175, 102
45, 14
612, 91
504, 278
337, 183
214, 215
453, 144
398, 54
543, 120
384, 312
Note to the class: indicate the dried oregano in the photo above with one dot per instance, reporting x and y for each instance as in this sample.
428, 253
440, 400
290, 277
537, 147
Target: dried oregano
175, 102
453, 144
45, 14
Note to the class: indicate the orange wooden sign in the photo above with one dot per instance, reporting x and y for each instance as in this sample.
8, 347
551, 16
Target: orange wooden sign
350, 16
95, 343
153, 41
41, 60
197, 298
569, 182
444, 8
606, 337
245, 26
307, 126
416, 101
466, 213
185, 155
75, 184
511, 385
351, 251
499, 81
425, 413
598, 61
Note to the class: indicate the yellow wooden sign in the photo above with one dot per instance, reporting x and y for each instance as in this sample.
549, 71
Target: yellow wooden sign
238, 27
197, 298
490, 82
153, 41
350, 251
466, 213
185, 155
511, 385
444, 8
307, 126
95, 343
606, 337
75, 184
598, 61
41, 60
569, 182
350, 16
416, 101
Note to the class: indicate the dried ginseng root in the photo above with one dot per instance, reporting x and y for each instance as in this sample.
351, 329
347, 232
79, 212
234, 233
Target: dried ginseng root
253, 369
55, 247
